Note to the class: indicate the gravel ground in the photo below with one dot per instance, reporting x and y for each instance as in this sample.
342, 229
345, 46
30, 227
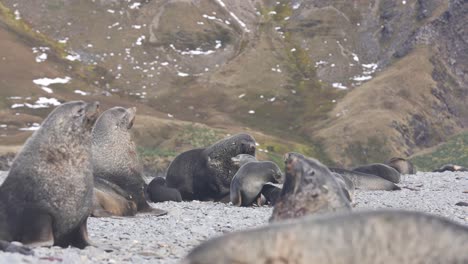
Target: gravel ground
150, 239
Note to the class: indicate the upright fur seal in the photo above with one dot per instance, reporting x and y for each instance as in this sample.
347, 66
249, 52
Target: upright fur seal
309, 188
247, 183
366, 181
159, 192
380, 170
402, 165
385, 236
48, 194
115, 160
206, 173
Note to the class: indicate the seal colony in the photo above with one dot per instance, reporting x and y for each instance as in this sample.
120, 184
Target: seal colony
75, 166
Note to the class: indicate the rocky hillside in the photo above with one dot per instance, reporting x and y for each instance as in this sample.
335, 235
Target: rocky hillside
351, 81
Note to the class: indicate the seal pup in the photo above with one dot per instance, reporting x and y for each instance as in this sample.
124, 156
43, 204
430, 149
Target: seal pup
109, 200
247, 183
309, 188
206, 173
450, 167
159, 192
381, 170
116, 161
366, 181
48, 194
402, 165
365, 237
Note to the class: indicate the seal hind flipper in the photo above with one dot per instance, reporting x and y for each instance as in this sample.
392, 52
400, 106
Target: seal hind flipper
12, 248
77, 237
153, 211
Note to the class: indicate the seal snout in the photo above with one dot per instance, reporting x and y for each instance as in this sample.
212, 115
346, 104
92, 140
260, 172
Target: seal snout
91, 112
131, 113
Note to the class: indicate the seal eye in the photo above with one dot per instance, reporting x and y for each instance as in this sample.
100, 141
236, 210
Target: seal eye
80, 112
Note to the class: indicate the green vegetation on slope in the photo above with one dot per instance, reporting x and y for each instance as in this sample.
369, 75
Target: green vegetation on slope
454, 151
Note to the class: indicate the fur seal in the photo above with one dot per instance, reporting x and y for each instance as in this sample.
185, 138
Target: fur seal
109, 199
366, 181
247, 183
365, 237
115, 160
450, 167
402, 165
381, 170
48, 194
206, 173
309, 188
159, 192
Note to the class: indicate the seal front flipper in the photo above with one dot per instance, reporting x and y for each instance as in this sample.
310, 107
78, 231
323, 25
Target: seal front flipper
13, 248
36, 227
77, 237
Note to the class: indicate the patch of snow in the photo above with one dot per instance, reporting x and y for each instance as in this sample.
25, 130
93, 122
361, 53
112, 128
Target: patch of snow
241, 95
242, 24
73, 57
41, 58
80, 92
47, 89
293, 49
3, 126
169, 115
272, 13
355, 57
135, 5
63, 41
182, 74
272, 99
48, 81
111, 11
251, 112
33, 127
136, 26
139, 41
403, 2
318, 63
296, 6
362, 78
218, 44
17, 15
17, 105
339, 86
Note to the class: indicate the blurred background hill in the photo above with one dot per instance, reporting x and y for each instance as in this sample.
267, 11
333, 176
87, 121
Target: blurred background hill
348, 82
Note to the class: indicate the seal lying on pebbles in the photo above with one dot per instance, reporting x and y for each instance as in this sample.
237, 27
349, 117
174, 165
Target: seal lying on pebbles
206, 173
402, 165
247, 183
48, 194
385, 236
109, 199
115, 160
380, 170
159, 192
366, 181
309, 188
450, 167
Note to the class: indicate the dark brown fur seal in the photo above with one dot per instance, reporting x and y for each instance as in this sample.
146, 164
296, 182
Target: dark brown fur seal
116, 161
384, 236
206, 173
48, 194
309, 188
